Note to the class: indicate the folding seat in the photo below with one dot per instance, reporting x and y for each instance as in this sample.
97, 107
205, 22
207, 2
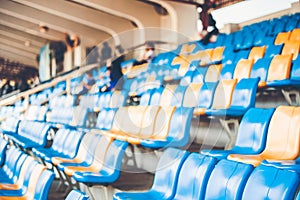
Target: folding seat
260, 70
278, 26
156, 96
77, 195
279, 70
217, 55
242, 54
220, 39
111, 166
193, 176
118, 99
227, 72
205, 98
291, 165
199, 74
168, 168
178, 134
103, 101
187, 78
228, 56
36, 113
273, 50
283, 140
191, 95
295, 35
271, 183
37, 182
236, 102
257, 53
167, 95
248, 41
227, 180
3, 148
223, 95
252, 134
164, 58
243, 69
177, 96
186, 48
154, 125
10, 125
291, 47
213, 73
295, 73
282, 38
291, 24
105, 118
31, 134
145, 98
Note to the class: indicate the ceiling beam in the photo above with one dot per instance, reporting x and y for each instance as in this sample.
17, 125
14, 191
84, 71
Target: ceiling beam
17, 51
37, 17
18, 44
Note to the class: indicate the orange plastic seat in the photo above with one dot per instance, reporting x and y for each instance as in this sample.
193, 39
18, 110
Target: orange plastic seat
167, 95
295, 35
191, 95
280, 68
243, 69
282, 38
213, 73
291, 47
187, 48
283, 138
257, 53
223, 94
217, 54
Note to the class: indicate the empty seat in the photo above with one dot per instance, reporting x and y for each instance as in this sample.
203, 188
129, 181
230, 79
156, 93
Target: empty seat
243, 98
242, 69
273, 50
257, 53
213, 73
168, 168
279, 70
193, 176
3, 147
291, 47
295, 35
227, 180
282, 37
283, 141
271, 183
260, 70
252, 134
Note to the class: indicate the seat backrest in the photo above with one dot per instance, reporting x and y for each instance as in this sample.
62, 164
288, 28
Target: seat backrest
78, 116
244, 94
295, 73
105, 118
72, 142
187, 48
113, 159
33, 182
12, 156
257, 53
243, 69
178, 96
227, 180
43, 185
206, 95
223, 94
187, 78
179, 132
199, 75
168, 168
35, 112
283, 142
273, 50
167, 95
77, 195
213, 73
149, 121
118, 99
10, 125
145, 98
190, 98
3, 148
280, 67
291, 47
156, 96
193, 176
295, 35
273, 183
260, 69
227, 71
21, 168
218, 54
252, 133
282, 37
162, 122
59, 139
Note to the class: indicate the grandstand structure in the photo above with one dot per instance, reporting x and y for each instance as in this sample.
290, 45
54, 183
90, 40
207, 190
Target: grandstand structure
198, 121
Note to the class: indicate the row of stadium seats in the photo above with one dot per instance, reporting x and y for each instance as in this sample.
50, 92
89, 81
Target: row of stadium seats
22, 177
195, 176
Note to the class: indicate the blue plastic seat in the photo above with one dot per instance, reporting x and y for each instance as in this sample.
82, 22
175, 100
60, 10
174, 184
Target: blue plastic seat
145, 98
260, 70
273, 50
252, 134
227, 180
168, 168
105, 118
227, 72
3, 148
31, 134
179, 131
10, 125
243, 98
178, 96
292, 165
199, 74
111, 168
77, 195
193, 176
271, 183
155, 97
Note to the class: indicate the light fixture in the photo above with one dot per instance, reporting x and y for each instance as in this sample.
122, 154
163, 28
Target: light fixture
44, 28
